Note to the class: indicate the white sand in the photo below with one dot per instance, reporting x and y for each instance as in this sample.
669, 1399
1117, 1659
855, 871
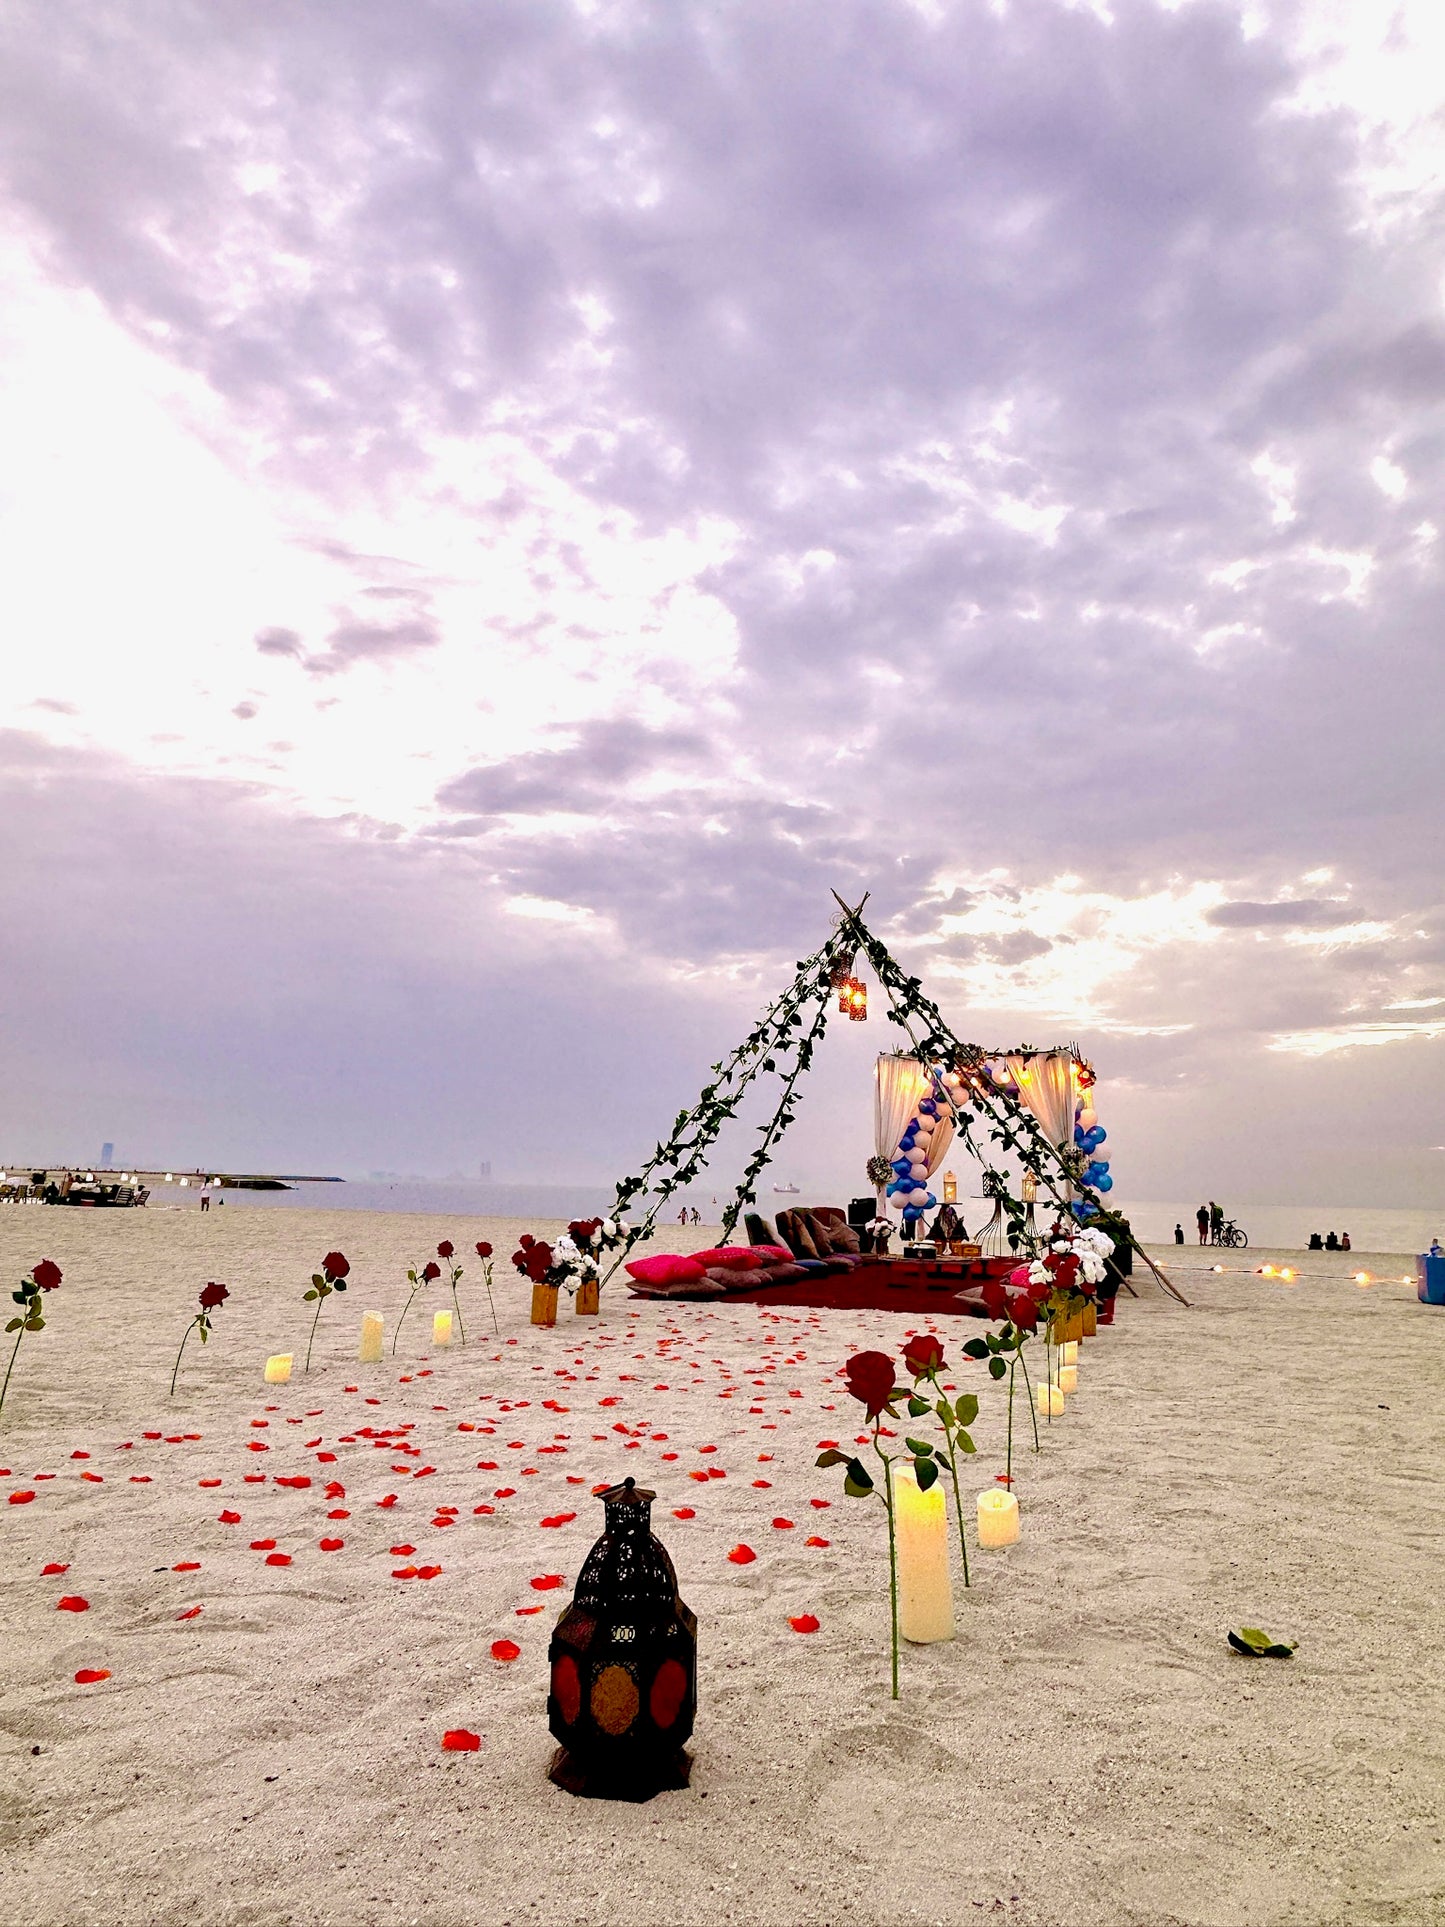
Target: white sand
1087, 1751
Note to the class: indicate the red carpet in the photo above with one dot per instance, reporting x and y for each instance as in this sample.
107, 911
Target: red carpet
902, 1285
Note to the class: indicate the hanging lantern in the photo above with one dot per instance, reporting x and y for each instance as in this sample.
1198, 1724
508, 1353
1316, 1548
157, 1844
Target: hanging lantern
950, 1188
854, 1000
841, 974
624, 1664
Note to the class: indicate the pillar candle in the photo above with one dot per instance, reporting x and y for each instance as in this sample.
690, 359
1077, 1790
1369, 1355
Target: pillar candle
925, 1596
1068, 1378
998, 1518
1050, 1401
441, 1328
278, 1369
1069, 1352
373, 1326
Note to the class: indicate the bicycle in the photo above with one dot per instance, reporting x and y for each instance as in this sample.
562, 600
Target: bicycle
1231, 1236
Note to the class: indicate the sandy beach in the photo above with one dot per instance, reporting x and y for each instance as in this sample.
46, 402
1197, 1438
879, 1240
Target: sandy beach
1086, 1752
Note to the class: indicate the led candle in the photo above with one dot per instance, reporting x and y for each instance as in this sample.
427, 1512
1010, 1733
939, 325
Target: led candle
373, 1326
925, 1596
441, 1328
278, 1369
1069, 1352
998, 1518
1050, 1401
1068, 1378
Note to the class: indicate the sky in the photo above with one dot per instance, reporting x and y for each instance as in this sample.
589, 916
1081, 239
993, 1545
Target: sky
507, 504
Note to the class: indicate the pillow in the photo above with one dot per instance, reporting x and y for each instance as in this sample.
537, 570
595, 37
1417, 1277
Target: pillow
759, 1231
834, 1226
666, 1268
795, 1234
729, 1258
819, 1233
781, 1274
700, 1287
773, 1254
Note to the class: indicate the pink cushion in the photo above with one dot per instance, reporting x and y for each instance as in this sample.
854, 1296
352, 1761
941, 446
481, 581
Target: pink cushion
773, 1254
730, 1258
667, 1268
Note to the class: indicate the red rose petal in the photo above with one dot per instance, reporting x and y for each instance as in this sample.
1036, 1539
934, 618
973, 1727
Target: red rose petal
782, 1525
208, 1485
49, 1572
804, 1623
525, 1612
91, 1675
72, 1602
278, 1558
820, 1505
816, 1541
683, 1512
404, 1572
187, 1565
21, 1498
742, 1556
191, 1612
506, 1650
459, 1740
389, 1500
428, 1572
228, 1518
263, 1545
331, 1545
400, 1552
548, 1582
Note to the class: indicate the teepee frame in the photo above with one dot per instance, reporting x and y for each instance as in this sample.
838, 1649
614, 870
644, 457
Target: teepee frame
783, 1042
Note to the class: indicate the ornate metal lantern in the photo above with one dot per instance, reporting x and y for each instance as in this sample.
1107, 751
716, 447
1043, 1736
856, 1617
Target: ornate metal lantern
853, 1000
624, 1664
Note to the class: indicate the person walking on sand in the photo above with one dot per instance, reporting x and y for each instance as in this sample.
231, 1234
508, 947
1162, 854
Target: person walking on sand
1201, 1218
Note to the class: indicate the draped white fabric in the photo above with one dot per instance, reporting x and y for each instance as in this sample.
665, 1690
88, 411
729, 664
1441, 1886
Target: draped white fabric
1046, 1085
898, 1084
938, 1144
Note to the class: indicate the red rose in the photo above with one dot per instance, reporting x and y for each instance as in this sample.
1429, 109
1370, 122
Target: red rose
871, 1380
212, 1296
1023, 1311
445, 1248
430, 1271
583, 1230
334, 1265
995, 1300
484, 1250
47, 1274
923, 1355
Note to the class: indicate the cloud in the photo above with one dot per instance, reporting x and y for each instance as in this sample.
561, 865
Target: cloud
279, 642
245, 712
1300, 913
588, 774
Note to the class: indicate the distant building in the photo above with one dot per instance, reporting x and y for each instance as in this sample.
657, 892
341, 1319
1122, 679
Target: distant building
107, 1156
484, 1170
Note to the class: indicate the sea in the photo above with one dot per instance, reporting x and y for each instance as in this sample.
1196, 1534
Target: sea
1279, 1227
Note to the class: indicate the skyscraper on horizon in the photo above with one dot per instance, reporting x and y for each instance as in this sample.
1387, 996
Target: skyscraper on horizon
107, 1155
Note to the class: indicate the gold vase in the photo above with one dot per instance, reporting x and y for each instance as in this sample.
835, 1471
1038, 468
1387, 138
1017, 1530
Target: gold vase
586, 1301
1091, 1319
544, 1304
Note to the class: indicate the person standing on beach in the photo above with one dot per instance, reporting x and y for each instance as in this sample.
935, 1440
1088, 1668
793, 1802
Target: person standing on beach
1216, 1221
1179, 1234
206, 1195
1201, 1218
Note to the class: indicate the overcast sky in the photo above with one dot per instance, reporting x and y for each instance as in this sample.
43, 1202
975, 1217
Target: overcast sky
505, 505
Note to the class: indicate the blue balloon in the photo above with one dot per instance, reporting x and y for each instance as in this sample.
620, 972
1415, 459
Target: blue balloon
927, 1108
1106, 1183
1098, 1134
1081, 1136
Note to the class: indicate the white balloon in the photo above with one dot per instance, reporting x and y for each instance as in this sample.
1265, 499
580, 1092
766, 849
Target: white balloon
918, 1171
1088, 1118
925, 1127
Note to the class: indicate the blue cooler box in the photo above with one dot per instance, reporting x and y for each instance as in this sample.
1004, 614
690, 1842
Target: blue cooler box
1430, 1275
